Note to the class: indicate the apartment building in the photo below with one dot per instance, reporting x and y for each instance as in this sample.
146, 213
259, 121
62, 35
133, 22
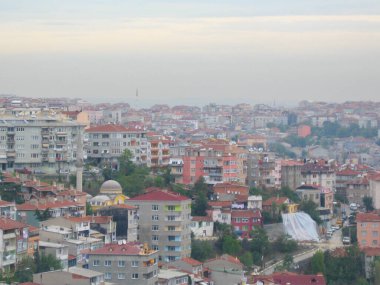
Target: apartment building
106, 142
318, 173
38, 142
126, 218
125, 263
159, 150
13, 242
323, 197
291, 173
164, 223
368, 229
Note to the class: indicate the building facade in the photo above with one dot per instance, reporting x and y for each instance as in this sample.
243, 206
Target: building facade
43, 143
125, 263
164, 223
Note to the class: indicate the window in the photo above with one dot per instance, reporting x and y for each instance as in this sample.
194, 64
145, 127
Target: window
121, 276
171, 208
154, 207
135, 276
171, 218
134, 263
121, 263
155, 247
154, 227
96, 262
375, 233
171, 228
155, 238
107, 262
364, 233
155, 218
107, 275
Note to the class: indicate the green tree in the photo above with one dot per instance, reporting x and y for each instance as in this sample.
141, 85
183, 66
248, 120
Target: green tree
89, 211
47, 263
25, 269
247, 259
42, 215
200, 191
318, 263
202, 250
368, 203
376, 272
284, 244
231, 246
309, 207
259, 244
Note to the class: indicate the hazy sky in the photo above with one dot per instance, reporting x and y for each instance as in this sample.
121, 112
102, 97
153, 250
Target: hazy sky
191, 52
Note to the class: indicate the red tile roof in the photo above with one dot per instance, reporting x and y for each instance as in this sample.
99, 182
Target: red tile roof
52, 205
347, 172
201, 219
191, 261
111, 129
284, 278
371, 251
6, 203
245, 214
226, 257
367, 217
8, 224
223, 204
277, 200
101, 219
160, 196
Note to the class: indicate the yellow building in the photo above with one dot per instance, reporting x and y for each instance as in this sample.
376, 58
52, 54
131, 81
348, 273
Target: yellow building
110, 194
292, 208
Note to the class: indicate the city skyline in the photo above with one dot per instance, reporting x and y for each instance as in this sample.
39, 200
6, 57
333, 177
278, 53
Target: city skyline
191, 53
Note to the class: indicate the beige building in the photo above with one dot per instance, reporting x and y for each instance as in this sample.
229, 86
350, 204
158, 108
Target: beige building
125, 263
164, 223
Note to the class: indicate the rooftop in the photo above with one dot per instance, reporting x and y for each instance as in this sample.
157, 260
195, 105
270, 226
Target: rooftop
160, 196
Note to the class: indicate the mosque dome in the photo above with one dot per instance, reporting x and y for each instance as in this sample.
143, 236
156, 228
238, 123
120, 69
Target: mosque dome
111, 187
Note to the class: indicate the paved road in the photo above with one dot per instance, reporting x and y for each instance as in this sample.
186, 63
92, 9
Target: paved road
334, 242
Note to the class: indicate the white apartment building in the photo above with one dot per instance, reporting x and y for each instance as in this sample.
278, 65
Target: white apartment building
40, 142
108, 142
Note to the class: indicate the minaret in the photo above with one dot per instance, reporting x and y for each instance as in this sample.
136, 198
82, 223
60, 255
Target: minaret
79, 162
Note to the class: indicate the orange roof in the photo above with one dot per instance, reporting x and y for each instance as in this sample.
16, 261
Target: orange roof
224, 204
276, 200
201, 219
50, 205
8, 224
111, 129
5, 203
367, 217
191, 261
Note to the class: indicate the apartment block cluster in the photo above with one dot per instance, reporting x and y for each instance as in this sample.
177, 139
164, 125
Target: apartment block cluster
120, 244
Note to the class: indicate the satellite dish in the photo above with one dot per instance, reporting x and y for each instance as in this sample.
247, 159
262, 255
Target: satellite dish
124, 241
119, 242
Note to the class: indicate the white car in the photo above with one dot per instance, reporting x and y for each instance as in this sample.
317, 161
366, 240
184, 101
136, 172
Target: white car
335, 228
346, 240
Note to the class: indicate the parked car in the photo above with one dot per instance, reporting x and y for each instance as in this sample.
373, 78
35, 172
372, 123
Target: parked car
64, 171
346, 240
335, 228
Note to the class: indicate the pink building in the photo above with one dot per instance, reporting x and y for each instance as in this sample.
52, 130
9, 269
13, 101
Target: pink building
304, 131
368, 228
